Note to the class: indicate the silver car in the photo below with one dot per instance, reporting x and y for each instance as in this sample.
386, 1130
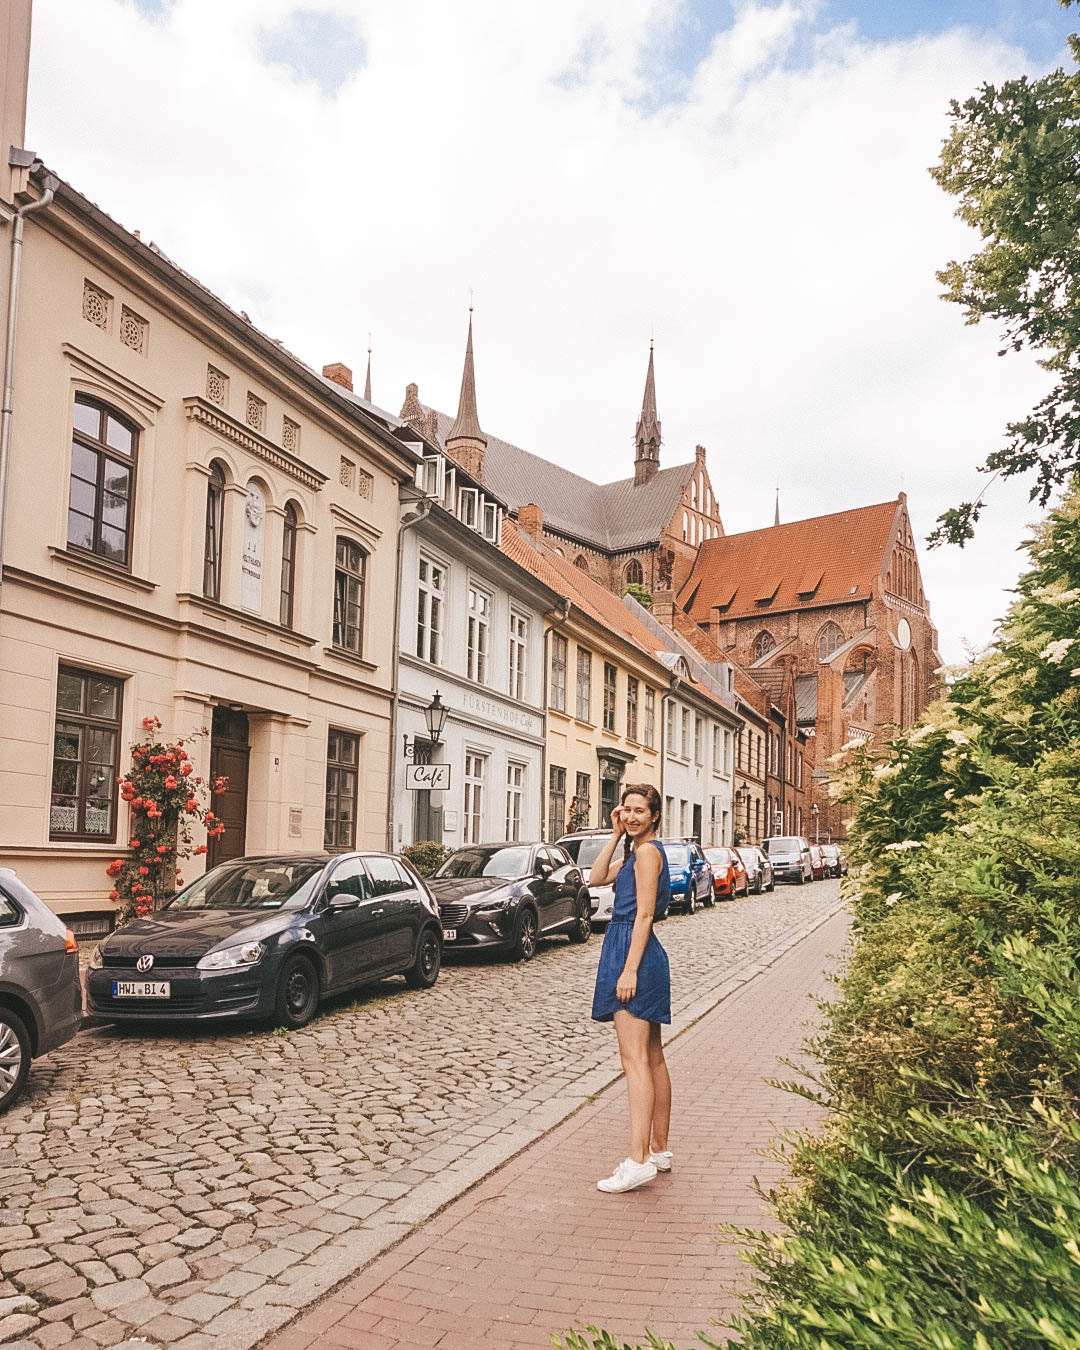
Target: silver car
40, 995
585, 847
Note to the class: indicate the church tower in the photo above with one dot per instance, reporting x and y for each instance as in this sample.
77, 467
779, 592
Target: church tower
465, 442
647, 435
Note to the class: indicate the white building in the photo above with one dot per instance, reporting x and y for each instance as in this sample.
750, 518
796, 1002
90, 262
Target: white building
471, 628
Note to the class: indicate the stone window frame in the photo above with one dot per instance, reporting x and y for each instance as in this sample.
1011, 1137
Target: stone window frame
519, 654
557, 686
290, 525
86, 723
213, 530
103, 453
556, 800
350, 587
338, 766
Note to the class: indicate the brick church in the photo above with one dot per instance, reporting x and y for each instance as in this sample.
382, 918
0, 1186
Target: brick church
826, 617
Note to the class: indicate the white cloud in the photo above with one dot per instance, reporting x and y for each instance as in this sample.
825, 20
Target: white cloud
776, 227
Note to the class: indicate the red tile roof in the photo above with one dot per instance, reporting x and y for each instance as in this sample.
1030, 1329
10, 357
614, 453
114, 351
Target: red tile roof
594, 600
840, 556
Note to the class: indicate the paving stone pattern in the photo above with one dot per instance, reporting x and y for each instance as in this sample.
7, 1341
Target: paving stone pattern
195, 1188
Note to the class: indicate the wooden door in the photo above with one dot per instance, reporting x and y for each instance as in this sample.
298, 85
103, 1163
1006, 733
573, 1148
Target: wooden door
229, 759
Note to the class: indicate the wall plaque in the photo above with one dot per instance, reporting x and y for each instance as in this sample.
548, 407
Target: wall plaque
251, 583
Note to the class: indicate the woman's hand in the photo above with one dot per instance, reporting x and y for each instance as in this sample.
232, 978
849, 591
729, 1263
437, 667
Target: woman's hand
618, 829
626, 987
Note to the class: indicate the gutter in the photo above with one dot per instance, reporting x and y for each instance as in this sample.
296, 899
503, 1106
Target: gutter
49, 183
673, 686
565, 607
418, 512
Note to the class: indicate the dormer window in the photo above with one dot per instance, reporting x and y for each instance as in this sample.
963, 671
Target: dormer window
468, 506
430, 475
491, 520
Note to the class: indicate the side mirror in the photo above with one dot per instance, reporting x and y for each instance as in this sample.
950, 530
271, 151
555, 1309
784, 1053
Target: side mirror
543, 869
343, 900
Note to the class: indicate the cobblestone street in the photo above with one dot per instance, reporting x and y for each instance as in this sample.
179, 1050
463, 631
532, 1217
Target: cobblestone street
197, 1188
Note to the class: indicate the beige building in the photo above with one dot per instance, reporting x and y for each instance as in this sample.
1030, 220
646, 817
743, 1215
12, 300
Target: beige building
196, 526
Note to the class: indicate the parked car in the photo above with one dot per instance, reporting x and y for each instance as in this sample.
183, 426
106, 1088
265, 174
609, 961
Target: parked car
759, 869
267, 937
835, 859
819, 868
584, 848
790, 857
728, 873
691, 875
504, 896
40, 996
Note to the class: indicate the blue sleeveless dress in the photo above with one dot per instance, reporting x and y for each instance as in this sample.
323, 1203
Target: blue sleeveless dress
652, 1001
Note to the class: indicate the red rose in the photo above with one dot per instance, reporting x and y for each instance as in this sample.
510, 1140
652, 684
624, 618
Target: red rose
188, 768
133, 843
198, 780
135, 887
171, 782
144, 871
114, 895
200, 849
163, 848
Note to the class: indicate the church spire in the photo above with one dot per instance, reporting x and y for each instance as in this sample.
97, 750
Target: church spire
776, 513
367, 382
647, 433
465, 441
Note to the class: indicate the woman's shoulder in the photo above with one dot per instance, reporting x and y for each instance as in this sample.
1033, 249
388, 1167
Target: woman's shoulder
659, 849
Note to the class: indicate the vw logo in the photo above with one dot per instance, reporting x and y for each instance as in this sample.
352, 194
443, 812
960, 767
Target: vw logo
144, 963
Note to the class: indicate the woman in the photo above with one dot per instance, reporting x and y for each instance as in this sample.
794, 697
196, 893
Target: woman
633, 987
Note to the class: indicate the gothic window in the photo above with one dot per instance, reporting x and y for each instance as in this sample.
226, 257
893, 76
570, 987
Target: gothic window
685, 526
103, 453
763, 643
634, 575
830, 637
579, 561
215, 515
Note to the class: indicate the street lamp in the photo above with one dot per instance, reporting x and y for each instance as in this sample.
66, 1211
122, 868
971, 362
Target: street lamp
814, 813
435, 716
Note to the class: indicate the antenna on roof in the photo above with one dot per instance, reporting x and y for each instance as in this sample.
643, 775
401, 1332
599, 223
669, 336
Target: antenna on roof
367, 381
470, 299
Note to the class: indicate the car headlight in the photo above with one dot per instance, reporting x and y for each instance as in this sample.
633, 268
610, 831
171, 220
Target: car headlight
96, 958
492, 906
230, 958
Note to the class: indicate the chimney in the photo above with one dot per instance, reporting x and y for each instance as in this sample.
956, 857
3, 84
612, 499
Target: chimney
531, 520
663, 607
339, 374
699, 456
411, 411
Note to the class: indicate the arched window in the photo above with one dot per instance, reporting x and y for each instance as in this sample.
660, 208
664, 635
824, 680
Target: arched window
288, 565
763, 643
685, 526
634, 575
830, 637
349, 596
579, 561
693, 493
215, 516
103, 453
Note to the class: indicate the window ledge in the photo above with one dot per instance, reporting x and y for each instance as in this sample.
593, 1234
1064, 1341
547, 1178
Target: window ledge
212, 606
97, 567
351, 658
588, 726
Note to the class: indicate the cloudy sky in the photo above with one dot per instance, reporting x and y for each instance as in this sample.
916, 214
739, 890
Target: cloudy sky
744, 179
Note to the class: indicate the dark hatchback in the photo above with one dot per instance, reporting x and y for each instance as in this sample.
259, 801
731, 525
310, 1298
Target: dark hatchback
503, 896
267, 937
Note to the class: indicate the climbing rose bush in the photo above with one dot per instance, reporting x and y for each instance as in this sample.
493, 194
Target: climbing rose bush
168, 800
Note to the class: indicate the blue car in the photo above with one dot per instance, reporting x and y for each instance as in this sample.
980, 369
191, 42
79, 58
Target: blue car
691, 875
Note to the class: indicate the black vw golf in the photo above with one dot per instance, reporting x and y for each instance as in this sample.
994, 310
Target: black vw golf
505, 895
267, 937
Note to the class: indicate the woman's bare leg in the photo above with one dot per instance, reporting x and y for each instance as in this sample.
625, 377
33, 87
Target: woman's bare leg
633, 1036
661, 1080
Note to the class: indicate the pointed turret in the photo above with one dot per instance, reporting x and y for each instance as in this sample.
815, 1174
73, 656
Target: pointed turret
465, 441
647, 434
776, 513
367, 381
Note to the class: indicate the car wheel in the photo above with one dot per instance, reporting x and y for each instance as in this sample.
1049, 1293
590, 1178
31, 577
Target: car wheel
297, 993
14, 1057
691, 900
581, 928
524, 948
710, 897
424, 971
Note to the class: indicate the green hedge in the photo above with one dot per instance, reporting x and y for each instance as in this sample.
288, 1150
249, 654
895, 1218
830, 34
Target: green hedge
939, 1207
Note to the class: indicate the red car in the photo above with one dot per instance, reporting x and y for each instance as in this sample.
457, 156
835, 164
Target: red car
818, 865
729, 873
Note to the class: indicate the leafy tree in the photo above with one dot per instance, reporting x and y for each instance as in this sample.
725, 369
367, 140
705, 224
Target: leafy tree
1012, 159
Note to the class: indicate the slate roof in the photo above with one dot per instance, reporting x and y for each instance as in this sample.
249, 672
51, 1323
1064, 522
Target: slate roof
840, 555
806, 694
609, 516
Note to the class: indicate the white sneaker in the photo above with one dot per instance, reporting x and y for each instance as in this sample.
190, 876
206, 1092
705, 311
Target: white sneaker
661, 1161
628, 1175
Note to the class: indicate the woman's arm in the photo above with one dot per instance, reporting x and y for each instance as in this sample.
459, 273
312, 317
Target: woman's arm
603, 870
646, 880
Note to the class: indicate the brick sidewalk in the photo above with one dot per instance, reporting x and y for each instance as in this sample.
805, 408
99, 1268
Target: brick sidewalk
536, 1248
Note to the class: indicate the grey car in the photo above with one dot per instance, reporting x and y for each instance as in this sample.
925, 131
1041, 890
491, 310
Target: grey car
40, 996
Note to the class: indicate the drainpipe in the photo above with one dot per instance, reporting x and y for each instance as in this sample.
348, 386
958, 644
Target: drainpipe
418, 512
673, 685
564, 606
51, 183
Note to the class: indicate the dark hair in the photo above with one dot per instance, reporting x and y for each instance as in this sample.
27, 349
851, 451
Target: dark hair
656, 806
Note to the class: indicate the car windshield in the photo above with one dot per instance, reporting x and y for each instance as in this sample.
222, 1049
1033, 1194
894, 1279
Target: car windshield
718, 855
748, 855
585, 851
830, 850
678, 855
782, 847
493, 861
252, 885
